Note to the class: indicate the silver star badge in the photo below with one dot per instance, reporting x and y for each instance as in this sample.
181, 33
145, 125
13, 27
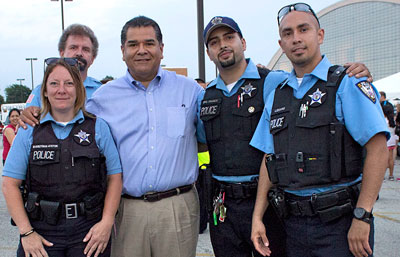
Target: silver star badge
248, 89
83, 136
316, 96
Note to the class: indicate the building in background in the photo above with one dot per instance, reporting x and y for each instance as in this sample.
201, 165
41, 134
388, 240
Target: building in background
358, 31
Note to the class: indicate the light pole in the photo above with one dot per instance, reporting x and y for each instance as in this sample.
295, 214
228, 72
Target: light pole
62, 12
31, 59
200, 41
20, 81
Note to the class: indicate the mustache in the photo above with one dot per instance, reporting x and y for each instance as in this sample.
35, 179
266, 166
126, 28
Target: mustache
83, 61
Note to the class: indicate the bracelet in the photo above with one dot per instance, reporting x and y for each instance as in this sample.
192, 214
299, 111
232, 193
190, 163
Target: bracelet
27, 233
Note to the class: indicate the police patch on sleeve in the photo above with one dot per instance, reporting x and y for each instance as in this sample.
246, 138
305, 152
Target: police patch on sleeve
367, 90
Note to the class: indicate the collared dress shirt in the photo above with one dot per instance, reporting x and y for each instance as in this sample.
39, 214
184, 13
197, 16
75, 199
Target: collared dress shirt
154, 129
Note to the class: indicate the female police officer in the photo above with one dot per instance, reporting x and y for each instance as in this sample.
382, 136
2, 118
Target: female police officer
70, 202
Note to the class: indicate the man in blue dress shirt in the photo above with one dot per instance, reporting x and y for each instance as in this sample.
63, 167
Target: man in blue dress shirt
313, 129
152, 114
77, 41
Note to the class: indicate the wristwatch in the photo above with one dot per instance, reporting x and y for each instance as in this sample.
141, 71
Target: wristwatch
362, 214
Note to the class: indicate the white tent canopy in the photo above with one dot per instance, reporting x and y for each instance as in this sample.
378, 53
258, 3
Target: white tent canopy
391, 86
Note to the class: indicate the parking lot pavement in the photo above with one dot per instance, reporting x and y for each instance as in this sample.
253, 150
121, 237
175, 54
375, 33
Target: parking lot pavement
386, 212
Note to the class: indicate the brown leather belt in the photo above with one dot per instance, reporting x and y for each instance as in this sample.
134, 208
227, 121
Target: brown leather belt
154, 197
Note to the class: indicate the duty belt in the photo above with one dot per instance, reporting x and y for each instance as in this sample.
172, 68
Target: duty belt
237, 190
328, 203
154, 197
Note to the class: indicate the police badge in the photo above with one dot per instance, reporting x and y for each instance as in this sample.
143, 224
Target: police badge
82, 136
316, 97
248, 89
216, 20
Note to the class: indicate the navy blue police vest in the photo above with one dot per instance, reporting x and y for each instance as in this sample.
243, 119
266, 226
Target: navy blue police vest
66, 170
230, 123
312, 148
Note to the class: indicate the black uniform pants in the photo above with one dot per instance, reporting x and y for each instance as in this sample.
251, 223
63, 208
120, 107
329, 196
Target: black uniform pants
309, 236
232, 237
66, 237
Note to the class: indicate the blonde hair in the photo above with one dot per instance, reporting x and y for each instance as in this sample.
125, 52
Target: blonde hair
80, 89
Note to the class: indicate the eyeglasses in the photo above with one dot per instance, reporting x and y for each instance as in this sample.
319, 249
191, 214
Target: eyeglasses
301, 7
69, 61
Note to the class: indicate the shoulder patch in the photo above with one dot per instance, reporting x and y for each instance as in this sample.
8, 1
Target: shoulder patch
367, 90
30, 98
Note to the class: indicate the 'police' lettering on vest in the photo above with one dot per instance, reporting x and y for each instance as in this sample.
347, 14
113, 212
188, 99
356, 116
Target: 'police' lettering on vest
209, 110
44, 155
277, 123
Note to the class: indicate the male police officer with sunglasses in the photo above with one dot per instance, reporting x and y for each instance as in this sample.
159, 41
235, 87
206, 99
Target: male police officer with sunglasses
230, 110
313, 130
77, 41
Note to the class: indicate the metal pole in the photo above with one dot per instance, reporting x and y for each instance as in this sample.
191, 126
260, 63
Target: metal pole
200, 28
31, 59
62, 15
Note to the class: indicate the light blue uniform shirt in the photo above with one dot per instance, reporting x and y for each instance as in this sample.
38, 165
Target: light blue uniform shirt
154, 129
251, 72
17, 160
362, 118
90, 84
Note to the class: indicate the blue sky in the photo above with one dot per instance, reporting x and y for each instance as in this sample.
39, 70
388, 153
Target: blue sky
31, 28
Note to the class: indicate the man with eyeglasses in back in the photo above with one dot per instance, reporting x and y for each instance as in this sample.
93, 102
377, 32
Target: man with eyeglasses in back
77, 41
313, 130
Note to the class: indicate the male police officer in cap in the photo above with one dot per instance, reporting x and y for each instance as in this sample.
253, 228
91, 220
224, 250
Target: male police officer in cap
313, 130
230, 110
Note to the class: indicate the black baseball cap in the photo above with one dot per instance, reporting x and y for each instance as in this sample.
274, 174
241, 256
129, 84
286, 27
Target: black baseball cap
217, 22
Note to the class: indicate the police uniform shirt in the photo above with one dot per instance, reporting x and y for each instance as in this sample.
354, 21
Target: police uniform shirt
251, 72
90, 84
357, 106
18, 157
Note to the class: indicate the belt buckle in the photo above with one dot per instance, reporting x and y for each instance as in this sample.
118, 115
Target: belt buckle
71, 211
151, 197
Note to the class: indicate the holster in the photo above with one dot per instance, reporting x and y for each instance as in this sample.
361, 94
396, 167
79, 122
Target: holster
335, 212
208, 187
32, 206
276, 197
51, 211
93, 205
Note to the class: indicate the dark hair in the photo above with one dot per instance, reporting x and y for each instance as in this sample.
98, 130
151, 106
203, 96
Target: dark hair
389, 114
14, 110
141, 21
78, 30
382, 94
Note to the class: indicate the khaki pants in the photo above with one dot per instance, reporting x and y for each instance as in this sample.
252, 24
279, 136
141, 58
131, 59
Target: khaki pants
168, 227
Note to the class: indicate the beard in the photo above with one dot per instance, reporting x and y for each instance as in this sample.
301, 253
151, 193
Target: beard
82, 63
228, 63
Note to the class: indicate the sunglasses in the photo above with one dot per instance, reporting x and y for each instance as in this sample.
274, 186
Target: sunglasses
301, 7
69, 61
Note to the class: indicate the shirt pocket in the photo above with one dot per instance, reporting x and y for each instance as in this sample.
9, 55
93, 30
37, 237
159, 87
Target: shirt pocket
176, 121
